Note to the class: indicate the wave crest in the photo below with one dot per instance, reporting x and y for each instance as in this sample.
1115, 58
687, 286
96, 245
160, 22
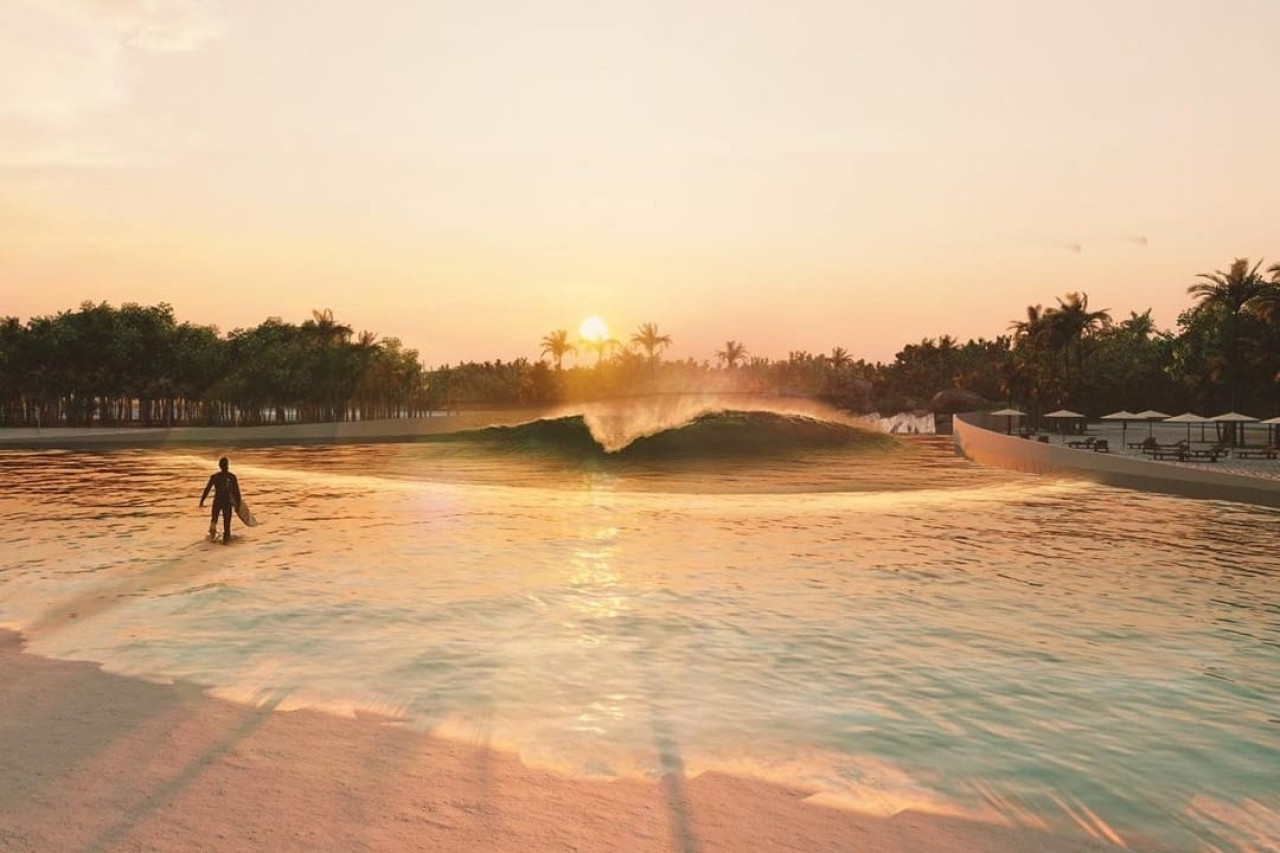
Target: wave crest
667, 431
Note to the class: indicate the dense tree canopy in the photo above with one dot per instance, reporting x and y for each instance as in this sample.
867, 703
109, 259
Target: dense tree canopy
138, 365
1225, 354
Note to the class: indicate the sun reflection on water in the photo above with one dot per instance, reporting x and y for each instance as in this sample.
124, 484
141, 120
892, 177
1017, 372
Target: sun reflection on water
972, 642
596, 588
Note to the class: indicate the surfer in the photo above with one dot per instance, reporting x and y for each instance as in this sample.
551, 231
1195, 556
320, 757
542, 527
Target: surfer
226, 497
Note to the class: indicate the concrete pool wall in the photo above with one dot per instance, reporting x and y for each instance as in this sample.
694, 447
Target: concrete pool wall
980, 437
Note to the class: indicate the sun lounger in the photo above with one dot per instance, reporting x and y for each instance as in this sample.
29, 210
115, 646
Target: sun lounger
1182, 453
1174, 451
1269, 452
1101, 446
1178, 450
1150, 445
1083, 443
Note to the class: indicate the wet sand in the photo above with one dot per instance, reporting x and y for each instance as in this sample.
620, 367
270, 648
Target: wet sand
100, 762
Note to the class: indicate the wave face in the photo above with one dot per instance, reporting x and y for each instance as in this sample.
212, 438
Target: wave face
708, 434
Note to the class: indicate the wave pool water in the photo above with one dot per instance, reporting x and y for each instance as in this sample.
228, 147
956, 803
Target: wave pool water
871, 619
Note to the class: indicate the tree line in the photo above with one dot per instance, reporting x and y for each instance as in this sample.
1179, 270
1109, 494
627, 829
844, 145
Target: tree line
1224, 355
137, 365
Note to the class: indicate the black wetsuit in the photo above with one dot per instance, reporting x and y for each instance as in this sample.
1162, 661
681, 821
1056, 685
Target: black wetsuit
226, 497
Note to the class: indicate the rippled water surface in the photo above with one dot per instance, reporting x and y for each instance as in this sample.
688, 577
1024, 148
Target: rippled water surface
888, 626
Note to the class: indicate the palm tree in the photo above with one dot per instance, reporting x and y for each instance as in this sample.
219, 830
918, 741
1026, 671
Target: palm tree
1028, 331
648, 339
325, 329
1228, 293
1071, 323
839, 359
557, 346
600, 346
1266, 304
365, 364
1231, 289
1264, 342
1140, 326
1030, 368
732, 353
12, 334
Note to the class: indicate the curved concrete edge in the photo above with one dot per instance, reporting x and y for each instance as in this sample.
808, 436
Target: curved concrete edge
976, 440
340, 432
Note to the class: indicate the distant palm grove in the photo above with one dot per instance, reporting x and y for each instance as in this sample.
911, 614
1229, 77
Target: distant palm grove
137, 365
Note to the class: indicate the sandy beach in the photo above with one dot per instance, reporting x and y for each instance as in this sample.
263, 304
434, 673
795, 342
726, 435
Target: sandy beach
99, 762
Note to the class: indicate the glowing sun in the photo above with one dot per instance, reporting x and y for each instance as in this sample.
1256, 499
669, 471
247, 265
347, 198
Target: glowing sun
593, 330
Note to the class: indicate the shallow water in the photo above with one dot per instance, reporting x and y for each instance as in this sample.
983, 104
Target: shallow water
888, 626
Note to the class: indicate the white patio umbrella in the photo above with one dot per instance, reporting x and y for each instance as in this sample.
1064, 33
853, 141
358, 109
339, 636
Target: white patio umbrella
1009, 415
1188, 418
1151, 416
1272, 424
1234, 418
1064, 415
1124, 416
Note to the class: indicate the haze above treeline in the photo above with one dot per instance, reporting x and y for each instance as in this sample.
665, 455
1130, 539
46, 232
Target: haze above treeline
140, 365
468, 177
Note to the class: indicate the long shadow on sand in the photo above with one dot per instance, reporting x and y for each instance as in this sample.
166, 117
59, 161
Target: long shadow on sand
94, 761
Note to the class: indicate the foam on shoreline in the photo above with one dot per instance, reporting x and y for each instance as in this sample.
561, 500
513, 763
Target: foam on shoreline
97, 761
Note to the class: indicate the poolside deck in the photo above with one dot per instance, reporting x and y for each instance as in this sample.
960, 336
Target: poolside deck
982, 438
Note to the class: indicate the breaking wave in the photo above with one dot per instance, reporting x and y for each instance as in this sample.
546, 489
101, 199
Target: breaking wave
706, 434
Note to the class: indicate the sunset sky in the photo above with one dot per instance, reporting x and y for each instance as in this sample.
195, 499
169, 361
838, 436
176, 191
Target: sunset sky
471, 176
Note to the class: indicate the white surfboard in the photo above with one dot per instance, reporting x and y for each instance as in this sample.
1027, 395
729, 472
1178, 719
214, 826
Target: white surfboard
246, 515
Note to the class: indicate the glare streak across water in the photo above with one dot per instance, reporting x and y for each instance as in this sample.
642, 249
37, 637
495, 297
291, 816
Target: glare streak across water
883, 624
